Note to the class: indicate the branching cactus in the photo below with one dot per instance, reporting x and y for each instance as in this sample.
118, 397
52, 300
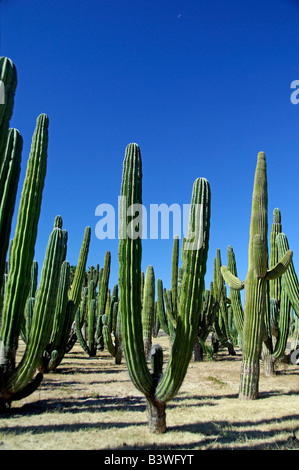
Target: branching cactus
255, 283
157, 387
235, 297
22, 251
16, 382
277, 320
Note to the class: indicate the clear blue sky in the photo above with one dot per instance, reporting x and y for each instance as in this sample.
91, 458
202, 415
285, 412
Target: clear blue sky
201, 86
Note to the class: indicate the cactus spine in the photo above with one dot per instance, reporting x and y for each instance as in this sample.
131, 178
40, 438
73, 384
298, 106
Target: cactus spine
158, 388
256, 282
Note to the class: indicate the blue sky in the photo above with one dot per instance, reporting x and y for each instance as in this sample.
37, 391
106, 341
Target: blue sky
202, 87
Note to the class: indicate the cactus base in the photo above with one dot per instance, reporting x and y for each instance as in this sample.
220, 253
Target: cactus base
156, 416
249, 384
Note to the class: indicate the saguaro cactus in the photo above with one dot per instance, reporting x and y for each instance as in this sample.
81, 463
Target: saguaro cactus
159, 388
256, 282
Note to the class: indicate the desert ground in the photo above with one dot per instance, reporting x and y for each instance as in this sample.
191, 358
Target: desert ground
91, 404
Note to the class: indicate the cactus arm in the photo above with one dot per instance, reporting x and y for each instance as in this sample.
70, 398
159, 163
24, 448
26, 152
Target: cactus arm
275, 284
234, 294
129, 255
233, 281
280, 268
174, 276
168, 307
283, 325
75, 293
148, 309
79, 332
191, 295
44, 306
103, 287
107, 336
289, 278
92, 345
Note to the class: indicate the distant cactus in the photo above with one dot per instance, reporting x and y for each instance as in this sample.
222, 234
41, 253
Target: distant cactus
148, 309
96, 308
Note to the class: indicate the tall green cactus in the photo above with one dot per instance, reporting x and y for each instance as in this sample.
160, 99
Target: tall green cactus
159, 388
235, 297
289, 279
277, 319
219, 294
96, 306
9, 179
256, 282
22, 251
8, 77
62, 322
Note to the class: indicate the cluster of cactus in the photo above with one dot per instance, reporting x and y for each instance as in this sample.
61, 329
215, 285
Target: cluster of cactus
159, 387
94, 305
111, 329
67, 303
26, 309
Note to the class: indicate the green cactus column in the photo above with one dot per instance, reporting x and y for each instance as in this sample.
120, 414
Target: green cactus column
9, 179
234, 295
42, 319
8, 76
22, 251
157, 387
255, 283
148, 309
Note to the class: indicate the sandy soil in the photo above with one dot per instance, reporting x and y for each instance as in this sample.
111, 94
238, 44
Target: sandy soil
91, 404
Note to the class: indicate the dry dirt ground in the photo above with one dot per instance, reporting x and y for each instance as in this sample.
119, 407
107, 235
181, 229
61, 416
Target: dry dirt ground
91, 404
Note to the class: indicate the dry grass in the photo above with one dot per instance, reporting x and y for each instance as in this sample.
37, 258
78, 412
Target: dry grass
90, 403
